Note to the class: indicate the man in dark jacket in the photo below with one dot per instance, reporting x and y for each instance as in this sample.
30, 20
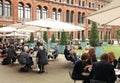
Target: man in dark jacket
103, 70
79, 69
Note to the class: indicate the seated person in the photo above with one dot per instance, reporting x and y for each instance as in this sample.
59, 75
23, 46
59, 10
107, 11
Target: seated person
24, 58
111, 59
103, 70
55, 52
79, 68
92, 56
73, 55
68, 55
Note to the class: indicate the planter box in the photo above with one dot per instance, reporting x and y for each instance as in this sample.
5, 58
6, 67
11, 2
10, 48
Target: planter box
83, 43
104, 43
61, 48
98, 51
31, 45
52, 45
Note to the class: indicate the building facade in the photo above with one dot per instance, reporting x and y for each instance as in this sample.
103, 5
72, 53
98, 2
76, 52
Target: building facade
69, 11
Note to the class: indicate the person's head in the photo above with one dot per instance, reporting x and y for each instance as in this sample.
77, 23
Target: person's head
111, 56
85, 57
104, 57
91, 51
66, 47
11, 46
26, 49
40, 47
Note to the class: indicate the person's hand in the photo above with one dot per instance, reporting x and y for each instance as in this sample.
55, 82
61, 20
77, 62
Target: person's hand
88, 67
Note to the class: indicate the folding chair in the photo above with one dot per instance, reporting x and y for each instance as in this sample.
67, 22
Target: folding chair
74, 80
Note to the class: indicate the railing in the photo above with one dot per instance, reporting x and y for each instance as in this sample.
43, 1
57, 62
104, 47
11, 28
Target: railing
6, 18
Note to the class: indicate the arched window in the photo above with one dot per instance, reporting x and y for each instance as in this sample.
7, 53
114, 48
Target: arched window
44, 13
68, 1
79, 34
93, 5
27, 11
67, 16
79, 2
79, 17
59, 15
38, 13
72, 1
89, 5
20, 11
72, 17
1, 8
7, 9
54, 14
82, 19
83, 3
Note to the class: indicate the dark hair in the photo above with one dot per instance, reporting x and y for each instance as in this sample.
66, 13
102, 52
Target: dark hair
104, 57
84, 56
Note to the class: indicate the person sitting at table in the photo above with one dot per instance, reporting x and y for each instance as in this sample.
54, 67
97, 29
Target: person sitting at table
24, 59
55, 52
111, 58
73, 54
103, 70
92, 56
79, 69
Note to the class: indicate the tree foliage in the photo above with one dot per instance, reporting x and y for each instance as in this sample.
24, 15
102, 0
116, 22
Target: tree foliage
45, 36
53, 38
118, 34
31, 38
64, 38
94, 35
83, 38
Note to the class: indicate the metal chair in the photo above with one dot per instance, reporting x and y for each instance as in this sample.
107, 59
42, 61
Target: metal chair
70, 74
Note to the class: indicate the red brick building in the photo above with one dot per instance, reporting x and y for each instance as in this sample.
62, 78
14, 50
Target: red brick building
70, 11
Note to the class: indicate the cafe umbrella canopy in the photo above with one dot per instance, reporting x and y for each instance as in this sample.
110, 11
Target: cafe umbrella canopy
109, 15
53, 25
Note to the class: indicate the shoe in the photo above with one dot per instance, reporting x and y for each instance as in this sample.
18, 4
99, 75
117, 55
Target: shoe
39, 71
43, 71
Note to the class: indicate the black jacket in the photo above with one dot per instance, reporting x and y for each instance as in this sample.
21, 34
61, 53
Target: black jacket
103, 71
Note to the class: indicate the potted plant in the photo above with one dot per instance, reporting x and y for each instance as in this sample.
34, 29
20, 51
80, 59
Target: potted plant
31, 41
63, 41
53, 42
105, 42
45, 38
83, 43
94, 40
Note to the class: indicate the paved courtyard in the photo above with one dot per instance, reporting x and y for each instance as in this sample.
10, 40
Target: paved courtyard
57, 72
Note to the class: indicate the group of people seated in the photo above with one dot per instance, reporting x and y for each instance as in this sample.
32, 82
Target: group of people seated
102, 71
24, 57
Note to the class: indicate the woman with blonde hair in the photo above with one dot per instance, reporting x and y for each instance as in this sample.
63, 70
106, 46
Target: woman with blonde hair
111, 59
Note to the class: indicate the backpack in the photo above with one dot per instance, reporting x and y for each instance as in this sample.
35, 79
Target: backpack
6, 61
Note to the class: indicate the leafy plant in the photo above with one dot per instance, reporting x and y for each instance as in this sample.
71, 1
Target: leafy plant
53, 38
118, 34
64, 38
45, 36
94, 35
31, 38
105, 38
83, 38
